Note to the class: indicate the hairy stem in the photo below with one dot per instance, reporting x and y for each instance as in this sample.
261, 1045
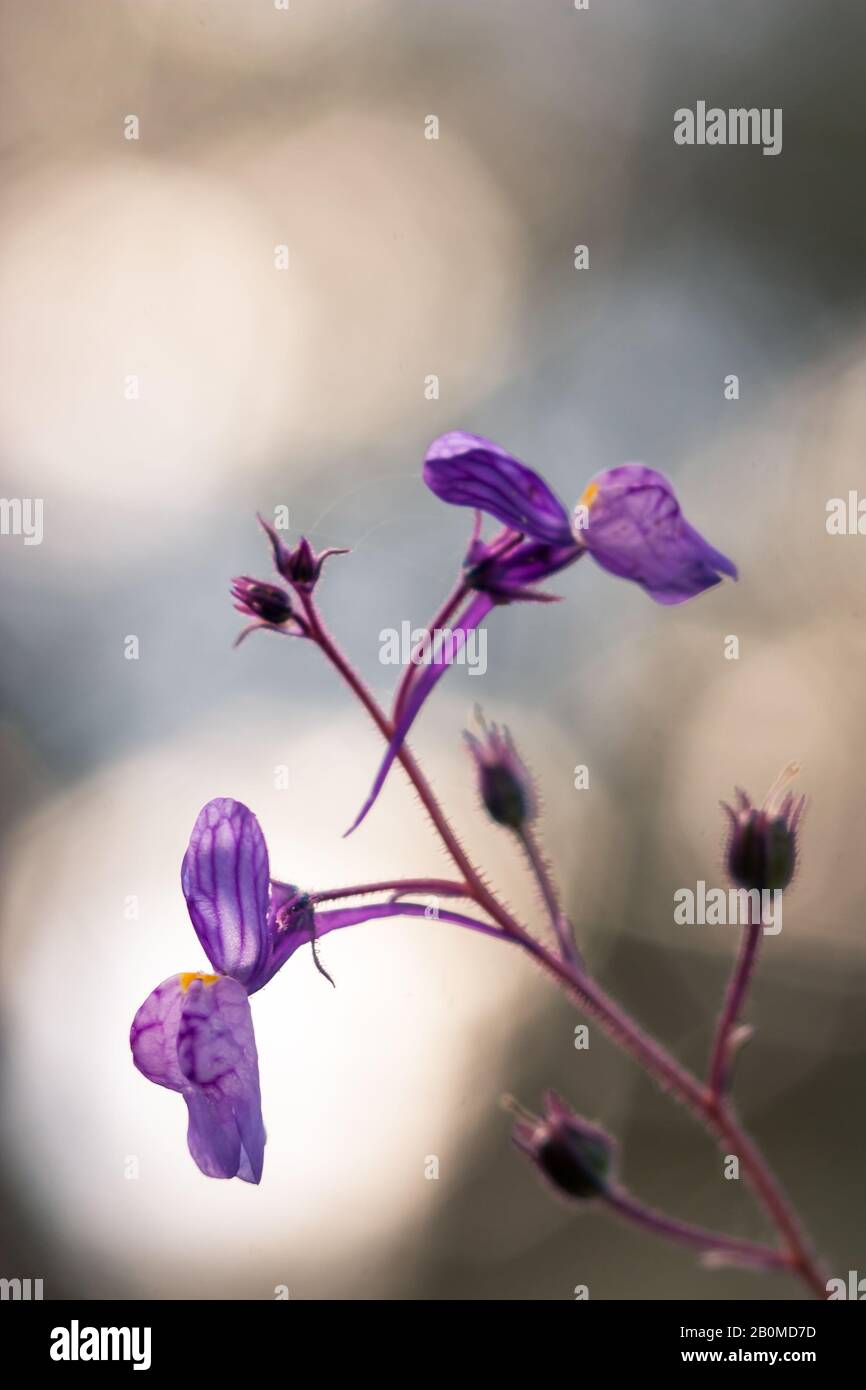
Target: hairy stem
547, 889
443, 887
480, 892
646, 1051
714, 1114
712, 1243
734, 999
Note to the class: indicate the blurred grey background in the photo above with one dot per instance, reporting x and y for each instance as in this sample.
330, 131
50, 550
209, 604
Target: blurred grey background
153, 259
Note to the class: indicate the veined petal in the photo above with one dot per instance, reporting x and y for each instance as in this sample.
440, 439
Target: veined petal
153, 1036
216, 1052
194, 1034
225, 880
423, 685
636, 530
470, 471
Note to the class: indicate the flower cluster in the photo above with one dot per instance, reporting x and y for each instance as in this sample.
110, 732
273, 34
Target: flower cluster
194, 1032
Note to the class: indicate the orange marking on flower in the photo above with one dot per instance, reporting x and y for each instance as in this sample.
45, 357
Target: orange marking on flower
187, 978
589, 495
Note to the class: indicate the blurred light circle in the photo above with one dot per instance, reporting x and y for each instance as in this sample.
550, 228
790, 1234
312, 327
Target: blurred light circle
361, 1085
147, 357
411, 263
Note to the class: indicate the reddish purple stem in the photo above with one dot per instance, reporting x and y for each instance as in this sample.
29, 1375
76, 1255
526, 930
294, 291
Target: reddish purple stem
709, 1105
729, 1249
735, 995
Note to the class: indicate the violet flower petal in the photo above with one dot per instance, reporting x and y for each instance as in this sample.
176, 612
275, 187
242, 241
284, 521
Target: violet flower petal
226, 883
635, 530
470, 471
194, 1034
421, 688
153, 1036
216, 1051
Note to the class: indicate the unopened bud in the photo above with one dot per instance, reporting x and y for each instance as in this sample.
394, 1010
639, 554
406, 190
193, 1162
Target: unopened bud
762, 846
576, 1157
267, 602
504, 782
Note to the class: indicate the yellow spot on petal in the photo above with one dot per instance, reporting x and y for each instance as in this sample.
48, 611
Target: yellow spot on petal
589, 495
187, 978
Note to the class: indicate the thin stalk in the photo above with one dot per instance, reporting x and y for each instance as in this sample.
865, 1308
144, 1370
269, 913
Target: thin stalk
547, 889
735, 996
711, 1243
650, 1054
444, 887
485, 898
714, 1114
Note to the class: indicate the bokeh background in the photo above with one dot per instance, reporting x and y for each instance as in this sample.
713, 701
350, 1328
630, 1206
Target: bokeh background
305, 388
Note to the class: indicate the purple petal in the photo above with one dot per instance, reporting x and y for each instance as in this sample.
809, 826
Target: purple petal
636, 530
153, 1036
418, 692
194, 1034
216, 1051
470, 471
225, 883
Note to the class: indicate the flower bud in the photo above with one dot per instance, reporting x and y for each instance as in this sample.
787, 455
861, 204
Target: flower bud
504, 782
574, 1156
762, 845
301, 566
267, 602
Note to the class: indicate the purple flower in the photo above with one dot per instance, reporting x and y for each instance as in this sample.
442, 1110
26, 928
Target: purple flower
194, 1032
634, 528
628, 519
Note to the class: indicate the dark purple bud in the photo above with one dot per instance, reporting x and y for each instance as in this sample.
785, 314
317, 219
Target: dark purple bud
300, 566
267, 602
762, 846
504, 781
576, 1157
